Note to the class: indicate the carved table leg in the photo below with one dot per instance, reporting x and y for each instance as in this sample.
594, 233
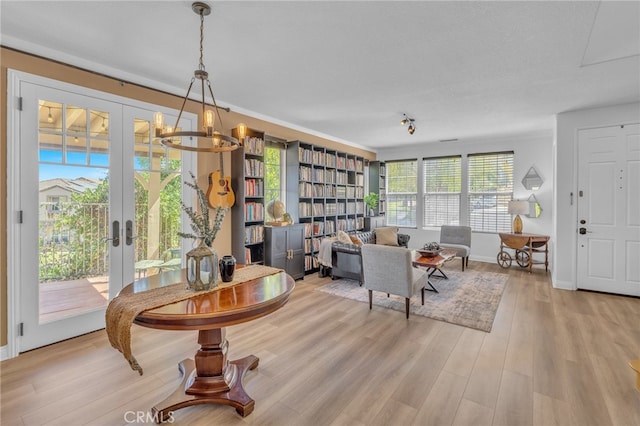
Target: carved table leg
210, 379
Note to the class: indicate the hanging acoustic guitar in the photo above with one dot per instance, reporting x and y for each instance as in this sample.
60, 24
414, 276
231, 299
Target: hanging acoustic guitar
220, 193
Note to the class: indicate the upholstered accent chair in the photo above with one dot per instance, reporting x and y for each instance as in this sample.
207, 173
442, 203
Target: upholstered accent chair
388, 269
457, 238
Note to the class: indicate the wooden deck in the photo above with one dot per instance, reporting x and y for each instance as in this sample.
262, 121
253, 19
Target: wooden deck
67, 298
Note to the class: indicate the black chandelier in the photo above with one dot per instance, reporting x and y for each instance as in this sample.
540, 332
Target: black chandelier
215, 141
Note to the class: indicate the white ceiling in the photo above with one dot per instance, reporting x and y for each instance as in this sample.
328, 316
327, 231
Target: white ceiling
349, 70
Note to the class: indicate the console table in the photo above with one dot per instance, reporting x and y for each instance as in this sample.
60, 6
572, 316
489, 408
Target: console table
525, 246
211, 378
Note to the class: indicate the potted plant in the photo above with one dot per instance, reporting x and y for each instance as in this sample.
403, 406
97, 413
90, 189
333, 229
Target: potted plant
371, 200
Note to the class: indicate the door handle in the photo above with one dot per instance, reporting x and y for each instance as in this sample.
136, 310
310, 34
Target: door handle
583, 231
115, 232
128, 228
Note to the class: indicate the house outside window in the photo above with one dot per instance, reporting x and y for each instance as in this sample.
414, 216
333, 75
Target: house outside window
402, 192
442, 186
490, 189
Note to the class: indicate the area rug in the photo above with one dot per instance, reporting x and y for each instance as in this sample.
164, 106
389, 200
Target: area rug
467, 298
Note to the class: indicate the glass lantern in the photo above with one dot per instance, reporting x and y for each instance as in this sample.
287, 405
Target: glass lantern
202, 267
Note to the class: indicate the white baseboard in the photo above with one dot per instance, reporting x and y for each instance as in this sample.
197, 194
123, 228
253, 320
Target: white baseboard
4, 353
564, 285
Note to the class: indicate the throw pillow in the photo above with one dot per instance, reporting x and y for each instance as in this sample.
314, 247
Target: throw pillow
355, 240
343, 237
387, 236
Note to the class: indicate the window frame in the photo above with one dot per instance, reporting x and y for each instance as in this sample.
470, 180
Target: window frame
411, 197
487, 204
454, 172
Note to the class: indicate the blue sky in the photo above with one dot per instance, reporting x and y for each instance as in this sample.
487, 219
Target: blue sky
51, 167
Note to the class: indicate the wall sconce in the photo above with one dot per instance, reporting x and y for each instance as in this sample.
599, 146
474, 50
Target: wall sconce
411, 122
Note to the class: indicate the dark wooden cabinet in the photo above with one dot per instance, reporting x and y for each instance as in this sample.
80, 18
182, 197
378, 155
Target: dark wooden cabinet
284, 248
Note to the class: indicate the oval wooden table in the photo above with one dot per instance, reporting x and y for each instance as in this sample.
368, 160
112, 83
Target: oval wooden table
212, 378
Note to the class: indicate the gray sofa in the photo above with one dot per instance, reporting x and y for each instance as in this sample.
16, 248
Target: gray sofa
346, 259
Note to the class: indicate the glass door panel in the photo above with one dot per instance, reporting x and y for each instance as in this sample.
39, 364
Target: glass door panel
157, 196
73, 222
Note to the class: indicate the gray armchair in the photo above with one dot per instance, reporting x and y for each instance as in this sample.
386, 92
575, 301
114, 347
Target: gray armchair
388, 269
457, 238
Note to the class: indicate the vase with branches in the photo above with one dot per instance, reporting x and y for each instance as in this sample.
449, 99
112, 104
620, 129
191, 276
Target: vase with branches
371, 200
202, 227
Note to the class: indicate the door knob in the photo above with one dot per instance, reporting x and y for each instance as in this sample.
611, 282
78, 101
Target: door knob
129, 232
583, 231
115, 232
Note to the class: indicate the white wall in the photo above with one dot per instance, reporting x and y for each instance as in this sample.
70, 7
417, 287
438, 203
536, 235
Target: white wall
566, 146
531, 149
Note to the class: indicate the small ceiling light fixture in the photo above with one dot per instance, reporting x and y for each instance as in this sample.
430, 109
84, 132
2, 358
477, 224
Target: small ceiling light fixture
411, 121
216, 141
49, 117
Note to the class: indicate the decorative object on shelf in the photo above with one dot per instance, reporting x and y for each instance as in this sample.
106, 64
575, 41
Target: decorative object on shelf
202, 267
276, 211
431, 249
215, 141
411, 124
532, 180
371, 200
287, 219
518, 207
227, 268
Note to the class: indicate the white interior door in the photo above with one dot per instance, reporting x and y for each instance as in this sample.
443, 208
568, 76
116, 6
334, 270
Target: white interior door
609, 209
99, 200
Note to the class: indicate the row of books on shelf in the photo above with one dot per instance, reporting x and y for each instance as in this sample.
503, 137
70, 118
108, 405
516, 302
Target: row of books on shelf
329, 227
253, 167
254, 188
318, 190
306, 209
352, 224
329, 159
312, 244
253, 234
383, 170
310, 262
253, 211
254, 145
382, 206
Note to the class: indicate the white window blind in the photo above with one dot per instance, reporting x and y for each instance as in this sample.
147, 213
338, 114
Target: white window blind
442, 188
490, 189
402, 192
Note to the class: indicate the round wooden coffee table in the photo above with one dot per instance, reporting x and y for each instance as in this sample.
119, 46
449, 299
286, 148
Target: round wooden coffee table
211, 378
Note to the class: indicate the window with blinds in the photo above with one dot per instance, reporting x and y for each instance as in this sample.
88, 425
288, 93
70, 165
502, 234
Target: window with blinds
490, 189
442, 188
402, 192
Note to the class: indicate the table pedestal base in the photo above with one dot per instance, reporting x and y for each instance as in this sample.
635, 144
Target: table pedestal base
210, 379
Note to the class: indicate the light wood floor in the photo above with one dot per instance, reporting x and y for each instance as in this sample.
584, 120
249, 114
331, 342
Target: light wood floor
553, 357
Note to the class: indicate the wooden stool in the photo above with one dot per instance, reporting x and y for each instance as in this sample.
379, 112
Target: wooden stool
635, 364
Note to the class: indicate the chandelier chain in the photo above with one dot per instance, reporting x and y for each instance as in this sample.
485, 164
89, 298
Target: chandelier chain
201, 65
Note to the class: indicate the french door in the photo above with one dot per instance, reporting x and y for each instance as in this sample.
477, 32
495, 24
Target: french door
609, 209
98, 205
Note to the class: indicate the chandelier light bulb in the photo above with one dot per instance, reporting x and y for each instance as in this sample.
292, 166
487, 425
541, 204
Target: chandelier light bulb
49, 117
209, 119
